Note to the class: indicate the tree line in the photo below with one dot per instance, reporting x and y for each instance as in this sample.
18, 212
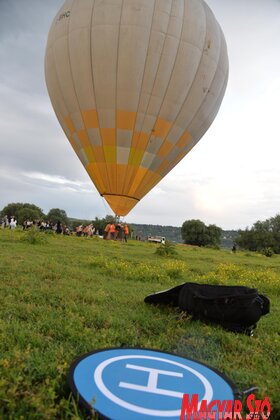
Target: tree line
263, 237
27, 211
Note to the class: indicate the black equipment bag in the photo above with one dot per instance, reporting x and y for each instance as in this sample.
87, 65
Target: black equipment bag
236, 308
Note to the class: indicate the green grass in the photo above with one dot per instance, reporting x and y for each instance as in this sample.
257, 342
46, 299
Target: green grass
65, 296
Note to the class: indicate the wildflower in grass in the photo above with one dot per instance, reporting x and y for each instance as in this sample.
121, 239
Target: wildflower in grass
175, 269
231, 274
141, 271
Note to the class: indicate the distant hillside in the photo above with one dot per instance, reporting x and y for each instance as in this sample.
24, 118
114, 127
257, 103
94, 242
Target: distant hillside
173, 233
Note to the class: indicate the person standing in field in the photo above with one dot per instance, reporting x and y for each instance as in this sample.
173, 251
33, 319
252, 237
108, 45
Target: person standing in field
121, 232
126, 232
112, 231
106, 234
13, 223
58, 227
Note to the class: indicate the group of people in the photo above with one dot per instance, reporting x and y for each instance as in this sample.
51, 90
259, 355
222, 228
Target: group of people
8, 222
112, 231
118, 231
88, 230
44, 226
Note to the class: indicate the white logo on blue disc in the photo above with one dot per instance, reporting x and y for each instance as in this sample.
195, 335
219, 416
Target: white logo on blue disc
138, 384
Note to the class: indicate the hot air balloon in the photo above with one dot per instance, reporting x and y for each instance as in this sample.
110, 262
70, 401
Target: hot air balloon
134, 84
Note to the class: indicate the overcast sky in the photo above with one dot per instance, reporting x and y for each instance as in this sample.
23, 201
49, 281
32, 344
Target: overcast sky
231, 178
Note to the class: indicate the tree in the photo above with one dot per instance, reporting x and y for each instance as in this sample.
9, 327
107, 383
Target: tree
257, 238
263, 235
195, 232
274, 226
214, 234
74, 223
245, 240
28, 214
55, 215
100, 224
23, 211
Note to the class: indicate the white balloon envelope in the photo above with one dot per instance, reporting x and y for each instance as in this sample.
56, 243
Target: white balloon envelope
134, 84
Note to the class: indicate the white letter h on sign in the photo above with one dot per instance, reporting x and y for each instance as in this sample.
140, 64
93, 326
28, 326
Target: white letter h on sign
152, 381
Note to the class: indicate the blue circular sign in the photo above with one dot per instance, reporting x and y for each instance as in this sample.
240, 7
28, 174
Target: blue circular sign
138, 384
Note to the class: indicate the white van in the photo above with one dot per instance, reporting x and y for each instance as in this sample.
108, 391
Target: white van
156, 239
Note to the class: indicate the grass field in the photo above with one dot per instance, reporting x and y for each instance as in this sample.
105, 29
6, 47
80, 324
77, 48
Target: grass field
65, 296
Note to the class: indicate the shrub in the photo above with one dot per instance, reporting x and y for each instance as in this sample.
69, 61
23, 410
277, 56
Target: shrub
268, 252
33, 236
166, 250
